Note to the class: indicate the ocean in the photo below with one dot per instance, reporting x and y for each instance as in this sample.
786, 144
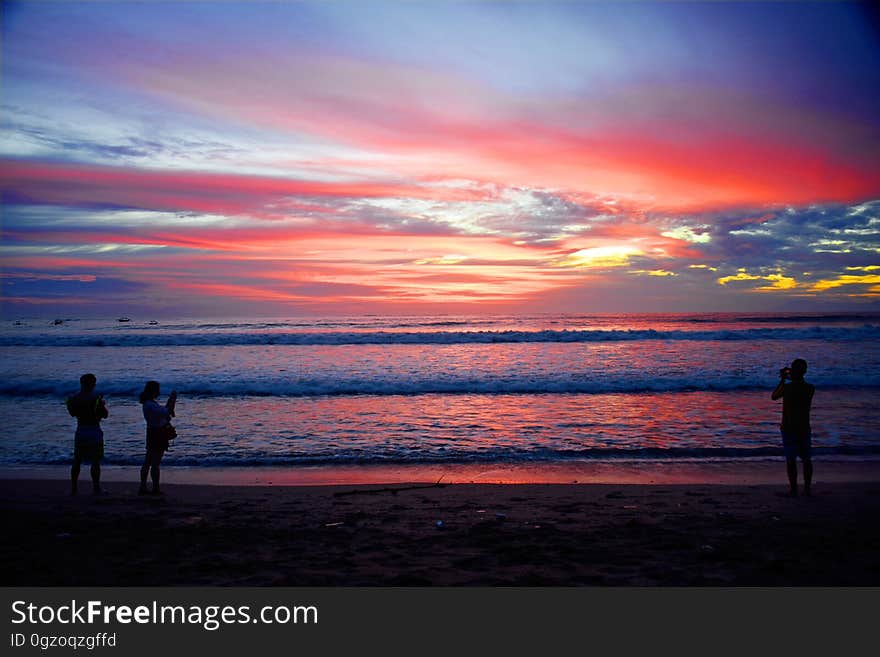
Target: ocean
365, 390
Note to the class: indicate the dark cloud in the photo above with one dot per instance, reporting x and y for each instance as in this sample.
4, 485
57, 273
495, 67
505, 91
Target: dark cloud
822, 237
33, 285
787, 251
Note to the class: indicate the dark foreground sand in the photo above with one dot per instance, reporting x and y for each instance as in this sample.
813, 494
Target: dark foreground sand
533, 534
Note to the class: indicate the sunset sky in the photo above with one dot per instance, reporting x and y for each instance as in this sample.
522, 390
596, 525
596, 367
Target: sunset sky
323, 158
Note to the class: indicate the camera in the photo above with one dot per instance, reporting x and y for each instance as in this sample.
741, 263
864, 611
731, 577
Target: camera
785, 372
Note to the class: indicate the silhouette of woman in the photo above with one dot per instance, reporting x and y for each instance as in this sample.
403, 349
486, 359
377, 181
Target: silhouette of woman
158, 420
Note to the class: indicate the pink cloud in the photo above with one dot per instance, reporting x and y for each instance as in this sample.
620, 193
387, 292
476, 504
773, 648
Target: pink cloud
682, 146
57, 183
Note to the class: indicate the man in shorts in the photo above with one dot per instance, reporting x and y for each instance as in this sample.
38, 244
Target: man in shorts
797, 398
89, 409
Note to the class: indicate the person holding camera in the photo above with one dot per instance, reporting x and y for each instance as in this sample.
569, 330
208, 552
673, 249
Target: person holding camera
159, 432
89, 409
797, 398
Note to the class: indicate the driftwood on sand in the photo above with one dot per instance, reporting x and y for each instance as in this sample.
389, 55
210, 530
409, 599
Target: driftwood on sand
393, 491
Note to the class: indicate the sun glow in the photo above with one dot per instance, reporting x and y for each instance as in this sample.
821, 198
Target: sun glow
598, 257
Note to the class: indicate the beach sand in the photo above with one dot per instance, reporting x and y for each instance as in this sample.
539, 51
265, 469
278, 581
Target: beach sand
685, 534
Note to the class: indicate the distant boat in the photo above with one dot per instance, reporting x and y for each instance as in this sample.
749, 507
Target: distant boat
153, 322
58, 321
123, 319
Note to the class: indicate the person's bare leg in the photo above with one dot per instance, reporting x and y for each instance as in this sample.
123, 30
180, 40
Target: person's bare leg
74, 476
791, 468
145, 469
95, 471
808, 476
154, 472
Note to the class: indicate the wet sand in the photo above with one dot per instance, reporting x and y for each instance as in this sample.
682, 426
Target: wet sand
610, 471
684, 534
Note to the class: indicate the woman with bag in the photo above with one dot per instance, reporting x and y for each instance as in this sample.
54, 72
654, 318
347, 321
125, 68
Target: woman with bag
159, 432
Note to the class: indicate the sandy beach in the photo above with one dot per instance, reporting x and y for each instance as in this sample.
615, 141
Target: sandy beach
398, 534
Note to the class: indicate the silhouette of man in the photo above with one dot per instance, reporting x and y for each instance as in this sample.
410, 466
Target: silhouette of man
89, 409
797, 398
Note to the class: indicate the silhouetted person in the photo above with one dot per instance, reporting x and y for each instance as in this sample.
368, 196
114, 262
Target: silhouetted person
797, 398
158, 419
89, 409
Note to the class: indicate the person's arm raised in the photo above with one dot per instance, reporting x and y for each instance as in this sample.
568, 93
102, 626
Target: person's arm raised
101, 407
780, 388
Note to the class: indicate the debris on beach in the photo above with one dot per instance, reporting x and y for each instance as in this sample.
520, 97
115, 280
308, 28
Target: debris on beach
185, 521
393, 491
